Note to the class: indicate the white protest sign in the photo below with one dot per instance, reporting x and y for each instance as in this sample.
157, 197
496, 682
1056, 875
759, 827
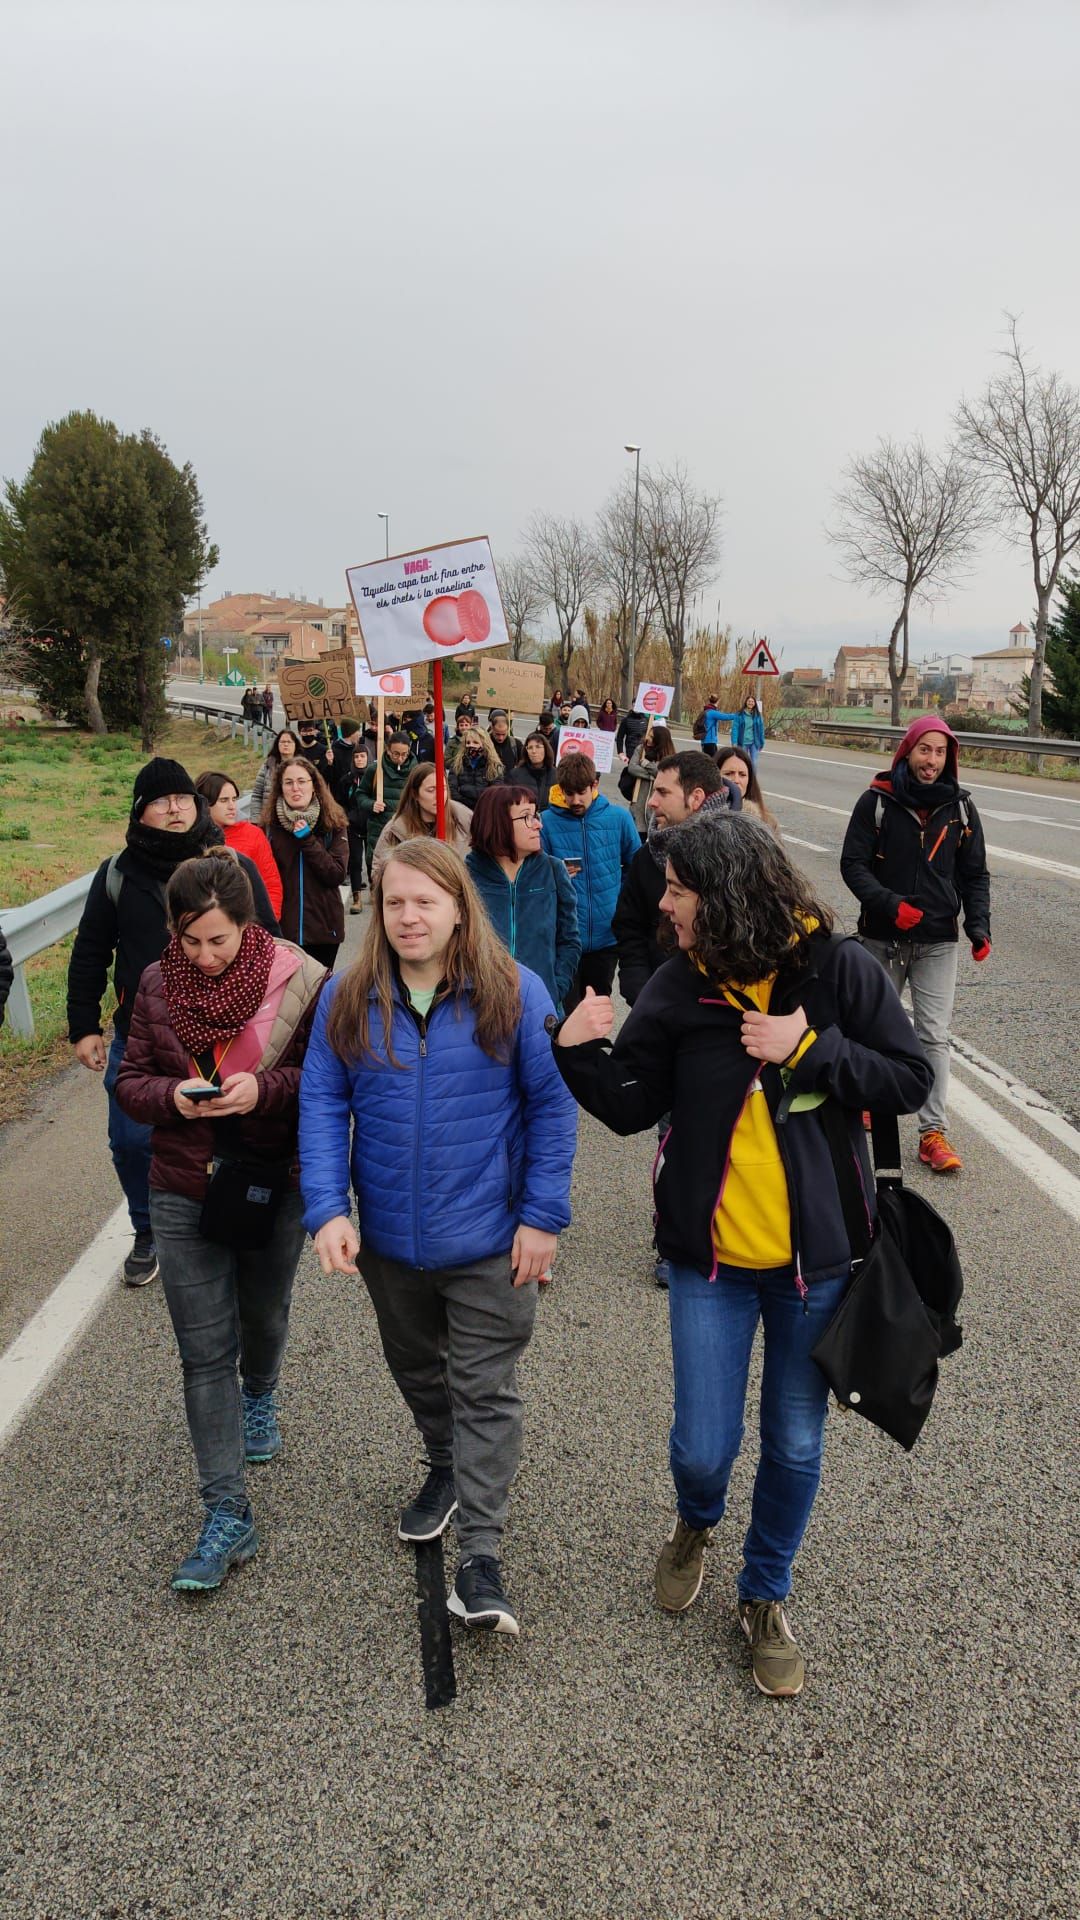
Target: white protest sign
599, 746
429, 604
391, 685
653, 699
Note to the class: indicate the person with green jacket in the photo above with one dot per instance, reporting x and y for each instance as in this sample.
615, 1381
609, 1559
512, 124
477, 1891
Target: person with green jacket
397, 764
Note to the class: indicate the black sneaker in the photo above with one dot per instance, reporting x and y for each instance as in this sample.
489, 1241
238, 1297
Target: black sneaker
141, 1265
431, 1512
477, 1596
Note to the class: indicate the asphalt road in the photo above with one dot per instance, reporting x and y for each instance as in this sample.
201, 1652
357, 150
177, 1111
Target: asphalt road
266, 1752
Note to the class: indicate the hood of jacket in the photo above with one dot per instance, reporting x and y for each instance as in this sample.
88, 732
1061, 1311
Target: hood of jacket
931, 723
557, 798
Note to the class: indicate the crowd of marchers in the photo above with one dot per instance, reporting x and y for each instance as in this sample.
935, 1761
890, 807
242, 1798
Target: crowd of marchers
256, 1097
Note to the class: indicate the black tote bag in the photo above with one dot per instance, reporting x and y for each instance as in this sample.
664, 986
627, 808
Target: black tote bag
880, 1351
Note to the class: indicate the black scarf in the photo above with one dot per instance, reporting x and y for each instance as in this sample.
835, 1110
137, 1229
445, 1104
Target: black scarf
912, 793
163, 852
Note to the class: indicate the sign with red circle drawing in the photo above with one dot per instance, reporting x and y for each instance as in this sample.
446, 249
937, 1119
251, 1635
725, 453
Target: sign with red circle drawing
393, 686
593, 741
653, 699
428, 604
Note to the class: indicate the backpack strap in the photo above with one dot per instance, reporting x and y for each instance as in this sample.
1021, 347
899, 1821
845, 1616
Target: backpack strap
114, 881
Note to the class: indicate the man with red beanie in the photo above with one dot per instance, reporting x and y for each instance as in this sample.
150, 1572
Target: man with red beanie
914, 856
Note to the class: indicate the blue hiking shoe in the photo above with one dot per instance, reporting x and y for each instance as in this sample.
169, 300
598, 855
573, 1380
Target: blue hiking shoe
227, 1540
262, 1435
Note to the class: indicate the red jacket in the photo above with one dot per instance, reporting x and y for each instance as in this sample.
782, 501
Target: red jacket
155, 1062
247, 838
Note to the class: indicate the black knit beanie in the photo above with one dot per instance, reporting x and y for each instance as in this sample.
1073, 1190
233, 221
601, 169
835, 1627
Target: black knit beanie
158, 778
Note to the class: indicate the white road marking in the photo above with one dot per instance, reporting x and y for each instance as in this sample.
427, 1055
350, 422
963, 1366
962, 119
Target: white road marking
790, 840
846, 765
35, 1353
999, 1079
1029, 819
1056, 1182
999, 853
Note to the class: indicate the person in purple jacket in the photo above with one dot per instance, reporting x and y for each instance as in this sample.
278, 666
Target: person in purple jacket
461, 1189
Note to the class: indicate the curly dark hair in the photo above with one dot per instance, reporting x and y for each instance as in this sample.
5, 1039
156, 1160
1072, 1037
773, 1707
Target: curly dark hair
755, 907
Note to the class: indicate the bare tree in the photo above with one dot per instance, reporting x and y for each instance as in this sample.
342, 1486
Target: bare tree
562, 562
906, 522
522, 602
615, 553
680, 532
1023, 440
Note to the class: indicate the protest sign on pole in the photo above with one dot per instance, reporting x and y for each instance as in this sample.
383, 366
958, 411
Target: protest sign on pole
653, 699
429, 604
320, 690
392, 686
517, 685
599, 746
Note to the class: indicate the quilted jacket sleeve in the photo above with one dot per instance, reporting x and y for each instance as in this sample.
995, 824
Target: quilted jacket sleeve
549, 1117
325, 1125
567, 931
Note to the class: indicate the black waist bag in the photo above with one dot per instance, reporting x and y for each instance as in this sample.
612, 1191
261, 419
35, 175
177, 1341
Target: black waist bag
881, 1349
243, 1199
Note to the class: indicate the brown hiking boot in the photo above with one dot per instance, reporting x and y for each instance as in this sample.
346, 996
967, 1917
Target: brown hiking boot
680, 1568
936, 1153
779, 1668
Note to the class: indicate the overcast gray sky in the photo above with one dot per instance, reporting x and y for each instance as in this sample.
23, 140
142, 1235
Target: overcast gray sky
445, 256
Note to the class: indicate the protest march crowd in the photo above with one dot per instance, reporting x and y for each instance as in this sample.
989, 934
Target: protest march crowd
256, 1097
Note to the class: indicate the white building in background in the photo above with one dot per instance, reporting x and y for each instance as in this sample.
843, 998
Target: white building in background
997, 676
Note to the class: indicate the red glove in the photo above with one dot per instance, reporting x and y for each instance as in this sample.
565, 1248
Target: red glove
980, 947
907, 916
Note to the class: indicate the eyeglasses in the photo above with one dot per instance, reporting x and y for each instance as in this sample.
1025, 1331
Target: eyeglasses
529, 819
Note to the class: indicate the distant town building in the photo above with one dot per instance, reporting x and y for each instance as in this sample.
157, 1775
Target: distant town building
815, 687
861, 672
269, 626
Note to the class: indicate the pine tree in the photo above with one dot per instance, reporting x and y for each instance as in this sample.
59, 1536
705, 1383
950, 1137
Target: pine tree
100, 546
1061, 707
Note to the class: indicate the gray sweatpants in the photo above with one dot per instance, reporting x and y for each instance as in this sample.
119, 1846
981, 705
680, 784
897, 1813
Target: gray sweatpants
929, 972
452, 1341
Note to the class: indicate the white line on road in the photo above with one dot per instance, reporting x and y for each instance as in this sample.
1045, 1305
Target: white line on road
790, 840
847, 765
1001, 1081
35, 1353
1056, 1182
999, 853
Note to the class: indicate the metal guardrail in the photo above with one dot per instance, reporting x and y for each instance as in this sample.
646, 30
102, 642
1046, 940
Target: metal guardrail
41, 923
1037, 750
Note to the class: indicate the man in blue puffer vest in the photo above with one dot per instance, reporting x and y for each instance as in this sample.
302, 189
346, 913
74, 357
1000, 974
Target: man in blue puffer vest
597, 841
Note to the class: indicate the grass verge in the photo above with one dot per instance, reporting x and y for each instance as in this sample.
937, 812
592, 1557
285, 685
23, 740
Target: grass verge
65, 797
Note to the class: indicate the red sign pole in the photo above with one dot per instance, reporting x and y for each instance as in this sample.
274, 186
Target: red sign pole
440, 752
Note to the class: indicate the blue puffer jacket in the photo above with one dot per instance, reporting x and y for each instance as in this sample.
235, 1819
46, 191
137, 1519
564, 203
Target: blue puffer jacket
601, 843
451, 1152
535, 915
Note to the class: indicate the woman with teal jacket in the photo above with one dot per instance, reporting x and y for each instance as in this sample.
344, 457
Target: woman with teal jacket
747, 727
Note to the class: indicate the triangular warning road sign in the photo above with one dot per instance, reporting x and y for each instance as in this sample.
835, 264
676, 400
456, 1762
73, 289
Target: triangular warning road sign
761, 660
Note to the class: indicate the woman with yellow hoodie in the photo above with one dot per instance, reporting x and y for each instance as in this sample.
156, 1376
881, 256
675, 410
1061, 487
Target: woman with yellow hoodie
742, 1036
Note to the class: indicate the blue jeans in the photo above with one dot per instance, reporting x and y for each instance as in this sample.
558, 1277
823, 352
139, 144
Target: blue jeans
713, 1323
225, 1306
129, 1144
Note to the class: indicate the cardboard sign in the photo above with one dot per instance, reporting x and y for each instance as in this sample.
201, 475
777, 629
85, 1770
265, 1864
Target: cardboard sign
517, 685
321, 689
428, 605
761, 660
598, 745
393, 686
653, 699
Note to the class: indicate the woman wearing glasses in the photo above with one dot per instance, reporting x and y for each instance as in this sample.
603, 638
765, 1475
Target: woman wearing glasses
528, 894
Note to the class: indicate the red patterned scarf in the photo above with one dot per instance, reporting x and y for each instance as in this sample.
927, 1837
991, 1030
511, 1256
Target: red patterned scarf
205, 1009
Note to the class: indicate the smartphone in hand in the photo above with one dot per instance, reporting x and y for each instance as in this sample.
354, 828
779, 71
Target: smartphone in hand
202, 1090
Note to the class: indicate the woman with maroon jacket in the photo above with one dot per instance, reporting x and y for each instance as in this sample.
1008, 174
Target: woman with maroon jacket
212, 1065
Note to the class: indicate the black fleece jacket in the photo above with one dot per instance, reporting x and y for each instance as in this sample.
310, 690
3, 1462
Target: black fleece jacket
679, 1052
939, 866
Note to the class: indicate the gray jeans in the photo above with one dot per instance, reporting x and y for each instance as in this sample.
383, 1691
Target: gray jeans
452, 1341
929, 971
226, 1307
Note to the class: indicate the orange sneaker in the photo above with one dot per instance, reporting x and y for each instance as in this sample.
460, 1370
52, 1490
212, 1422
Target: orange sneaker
936, 1153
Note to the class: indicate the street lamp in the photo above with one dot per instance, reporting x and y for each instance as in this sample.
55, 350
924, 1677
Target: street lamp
386, 517
636, 451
